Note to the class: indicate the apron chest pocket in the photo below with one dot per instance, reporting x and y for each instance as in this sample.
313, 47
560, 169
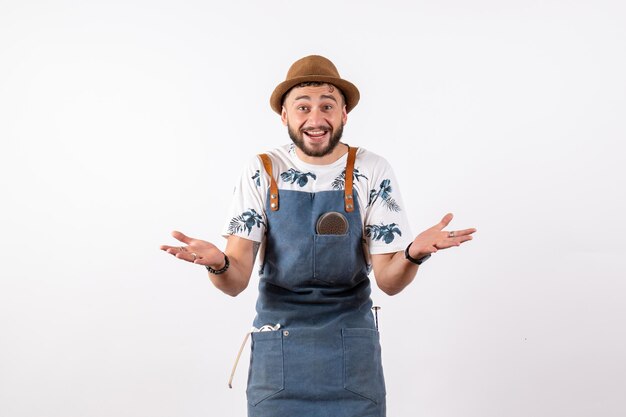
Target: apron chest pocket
333, 260
363, 372
266, 375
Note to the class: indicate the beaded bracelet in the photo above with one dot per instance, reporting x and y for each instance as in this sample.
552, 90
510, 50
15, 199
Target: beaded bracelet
222, 269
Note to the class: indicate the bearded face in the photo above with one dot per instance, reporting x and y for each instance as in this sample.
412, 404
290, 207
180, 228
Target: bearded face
312, 133
315, 116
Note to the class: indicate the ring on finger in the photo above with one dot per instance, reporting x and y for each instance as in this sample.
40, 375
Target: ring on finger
451, 233
194, 256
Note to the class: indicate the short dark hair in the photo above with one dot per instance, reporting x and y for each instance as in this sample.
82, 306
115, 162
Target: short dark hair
314, 84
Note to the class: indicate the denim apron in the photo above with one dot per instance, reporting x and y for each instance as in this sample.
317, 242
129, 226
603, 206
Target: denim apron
325, 360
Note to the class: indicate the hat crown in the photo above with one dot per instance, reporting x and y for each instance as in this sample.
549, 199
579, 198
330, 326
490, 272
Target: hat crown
312, 65
314, 68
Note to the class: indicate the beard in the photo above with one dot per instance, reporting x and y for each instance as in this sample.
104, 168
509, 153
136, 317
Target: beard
297, 138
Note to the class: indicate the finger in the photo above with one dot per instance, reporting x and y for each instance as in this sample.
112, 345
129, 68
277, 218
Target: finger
445, 221
182, 237
450, 242
458, 240
445, 244
173, 250
464, 239
451, 234
464, 232
185, 256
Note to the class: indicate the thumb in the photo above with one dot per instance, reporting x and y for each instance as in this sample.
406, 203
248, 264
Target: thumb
445, 221
182, 237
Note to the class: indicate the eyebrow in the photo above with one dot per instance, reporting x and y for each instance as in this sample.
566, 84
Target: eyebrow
322, 96
329, 97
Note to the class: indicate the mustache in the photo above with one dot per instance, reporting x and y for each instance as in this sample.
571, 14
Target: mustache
310, 128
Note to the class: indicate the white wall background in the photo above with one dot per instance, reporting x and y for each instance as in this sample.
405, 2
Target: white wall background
123, 120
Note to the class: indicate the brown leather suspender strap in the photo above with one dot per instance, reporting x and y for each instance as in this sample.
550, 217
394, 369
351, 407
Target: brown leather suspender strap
348, 196
267, 164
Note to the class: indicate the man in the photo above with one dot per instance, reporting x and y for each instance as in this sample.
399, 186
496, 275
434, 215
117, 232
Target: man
319, 208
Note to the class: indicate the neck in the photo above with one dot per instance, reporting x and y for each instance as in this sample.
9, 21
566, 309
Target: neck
340, 150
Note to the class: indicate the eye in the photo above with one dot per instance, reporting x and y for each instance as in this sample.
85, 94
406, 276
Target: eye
302, 108
328, 107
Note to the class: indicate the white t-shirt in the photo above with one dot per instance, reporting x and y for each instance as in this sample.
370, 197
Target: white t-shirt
382, 212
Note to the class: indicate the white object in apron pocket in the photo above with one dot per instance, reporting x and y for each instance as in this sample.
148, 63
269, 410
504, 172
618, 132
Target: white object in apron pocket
266, 374
363, 372
332, 259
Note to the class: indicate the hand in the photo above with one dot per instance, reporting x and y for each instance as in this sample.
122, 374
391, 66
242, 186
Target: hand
197, 251
435, 238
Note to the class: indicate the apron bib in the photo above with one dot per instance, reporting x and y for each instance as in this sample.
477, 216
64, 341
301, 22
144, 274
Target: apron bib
325, 359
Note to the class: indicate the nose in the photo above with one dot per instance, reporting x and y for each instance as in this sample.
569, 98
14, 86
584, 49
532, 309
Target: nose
316, 118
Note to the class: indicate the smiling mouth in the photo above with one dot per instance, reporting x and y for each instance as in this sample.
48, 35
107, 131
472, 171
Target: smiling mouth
315, 133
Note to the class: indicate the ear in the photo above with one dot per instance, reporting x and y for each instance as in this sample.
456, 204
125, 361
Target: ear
344, 115
283, 116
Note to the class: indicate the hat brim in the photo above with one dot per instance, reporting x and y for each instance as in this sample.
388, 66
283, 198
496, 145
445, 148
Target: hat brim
349, 90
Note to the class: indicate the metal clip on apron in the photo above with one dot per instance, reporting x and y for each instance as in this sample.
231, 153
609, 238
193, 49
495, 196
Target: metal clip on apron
326, 359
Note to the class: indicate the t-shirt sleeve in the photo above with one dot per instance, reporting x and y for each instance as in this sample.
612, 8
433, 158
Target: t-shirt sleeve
387, 227
247, 217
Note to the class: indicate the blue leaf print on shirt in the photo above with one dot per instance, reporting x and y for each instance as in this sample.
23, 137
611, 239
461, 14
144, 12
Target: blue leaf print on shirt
384, 232
384, 193
257, 178
293, 176
339, 183
245, 221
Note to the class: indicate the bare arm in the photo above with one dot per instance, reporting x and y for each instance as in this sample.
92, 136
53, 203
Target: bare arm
393, 272
241, 254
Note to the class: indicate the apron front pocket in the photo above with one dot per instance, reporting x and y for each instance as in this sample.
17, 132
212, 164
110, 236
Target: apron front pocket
266, 374
363, 372
333, 259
